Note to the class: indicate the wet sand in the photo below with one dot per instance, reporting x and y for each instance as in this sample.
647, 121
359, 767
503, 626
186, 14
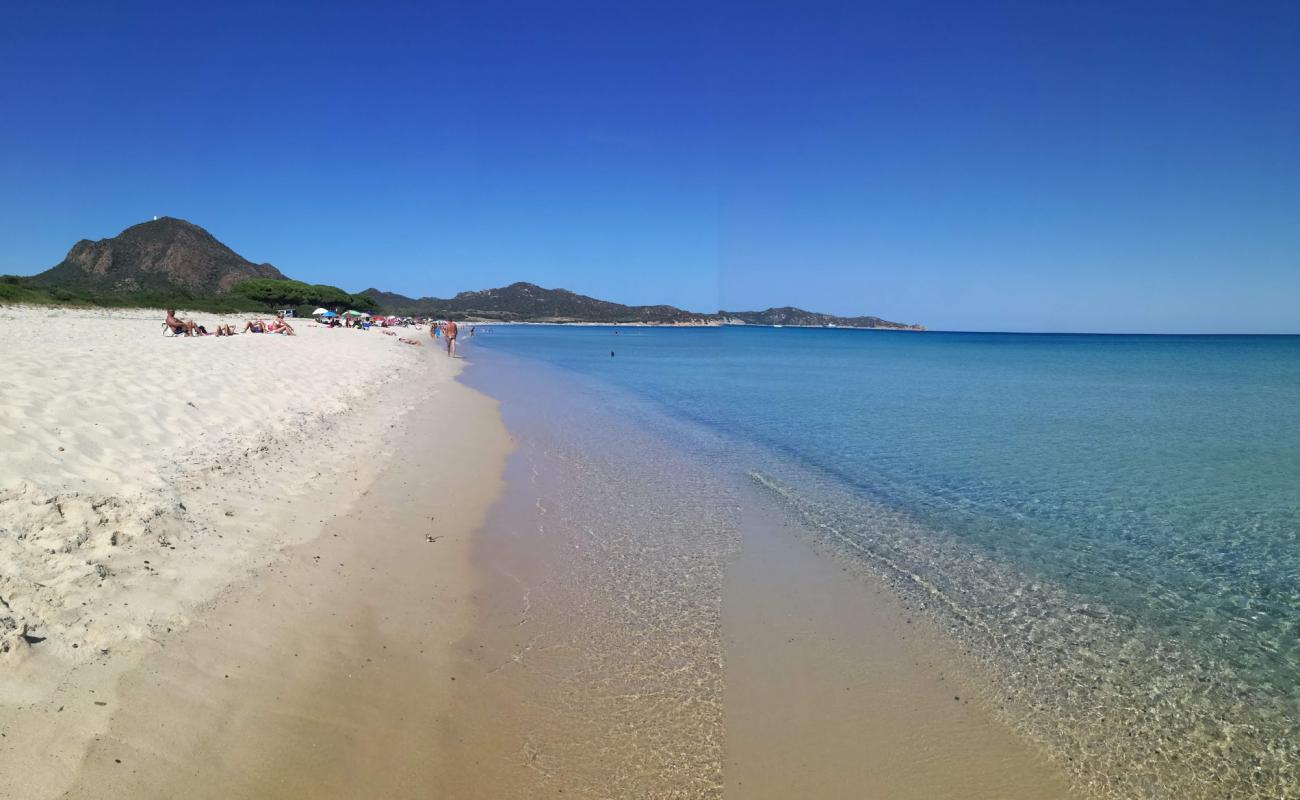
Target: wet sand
834, 690
594, 667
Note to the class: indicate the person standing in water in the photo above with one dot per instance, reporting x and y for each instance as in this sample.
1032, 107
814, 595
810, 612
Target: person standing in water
451, 338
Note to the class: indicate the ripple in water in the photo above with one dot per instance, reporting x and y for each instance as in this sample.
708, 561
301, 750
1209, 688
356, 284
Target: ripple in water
611, 674
1127, 712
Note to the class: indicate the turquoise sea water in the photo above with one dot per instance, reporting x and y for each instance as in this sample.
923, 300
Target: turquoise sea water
1111, 521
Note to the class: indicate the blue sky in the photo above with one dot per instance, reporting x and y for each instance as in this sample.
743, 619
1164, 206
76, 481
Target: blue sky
1027, 166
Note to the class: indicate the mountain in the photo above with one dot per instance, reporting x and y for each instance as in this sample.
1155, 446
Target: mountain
527, 302
166, 253
394, 303
788, 315
171, 255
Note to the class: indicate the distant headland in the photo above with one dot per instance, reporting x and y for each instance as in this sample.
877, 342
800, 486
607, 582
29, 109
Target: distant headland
169, 261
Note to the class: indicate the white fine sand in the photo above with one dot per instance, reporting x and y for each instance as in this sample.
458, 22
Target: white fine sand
143, 477
104, 425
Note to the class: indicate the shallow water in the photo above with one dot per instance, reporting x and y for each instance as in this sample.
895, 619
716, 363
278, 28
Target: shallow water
595, 669
1108, 523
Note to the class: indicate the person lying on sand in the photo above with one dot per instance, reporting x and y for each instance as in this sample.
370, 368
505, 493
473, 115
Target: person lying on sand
255, 326
225, 330
405, 340
180, 326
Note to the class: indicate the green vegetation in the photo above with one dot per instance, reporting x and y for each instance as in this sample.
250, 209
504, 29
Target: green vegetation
290, 293
17, 289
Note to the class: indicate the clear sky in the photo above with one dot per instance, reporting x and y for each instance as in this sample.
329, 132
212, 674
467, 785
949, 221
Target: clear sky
1027, 166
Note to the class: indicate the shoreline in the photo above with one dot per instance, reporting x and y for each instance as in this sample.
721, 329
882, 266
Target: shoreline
833, 698
594, 668
1071, 615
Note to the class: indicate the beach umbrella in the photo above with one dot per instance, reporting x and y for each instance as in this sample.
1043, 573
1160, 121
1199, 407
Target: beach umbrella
320, 311
329, 314
351, 313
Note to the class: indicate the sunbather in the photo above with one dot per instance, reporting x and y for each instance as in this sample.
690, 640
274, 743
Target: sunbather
255, 326
278, 325
180, 326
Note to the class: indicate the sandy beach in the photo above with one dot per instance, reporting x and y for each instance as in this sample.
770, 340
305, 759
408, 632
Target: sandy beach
273, 566
200, 536
332, 565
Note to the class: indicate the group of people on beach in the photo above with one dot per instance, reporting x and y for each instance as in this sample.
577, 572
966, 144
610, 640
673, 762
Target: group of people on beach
447, 330
188, 327
277, 325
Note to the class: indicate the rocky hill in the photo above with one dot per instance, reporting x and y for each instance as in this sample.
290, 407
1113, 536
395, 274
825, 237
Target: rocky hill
394, 303
166, 253
521, 302
788, 315
527, 302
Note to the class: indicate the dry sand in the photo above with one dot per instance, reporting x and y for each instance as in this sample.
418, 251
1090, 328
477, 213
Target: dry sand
170, 506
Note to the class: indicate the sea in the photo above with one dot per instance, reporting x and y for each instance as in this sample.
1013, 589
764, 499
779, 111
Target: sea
1108, 524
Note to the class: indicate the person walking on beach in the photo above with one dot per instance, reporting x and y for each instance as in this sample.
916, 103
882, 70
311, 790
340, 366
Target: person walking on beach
451, 338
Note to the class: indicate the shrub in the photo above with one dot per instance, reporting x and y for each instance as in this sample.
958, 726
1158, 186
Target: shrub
293, 294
